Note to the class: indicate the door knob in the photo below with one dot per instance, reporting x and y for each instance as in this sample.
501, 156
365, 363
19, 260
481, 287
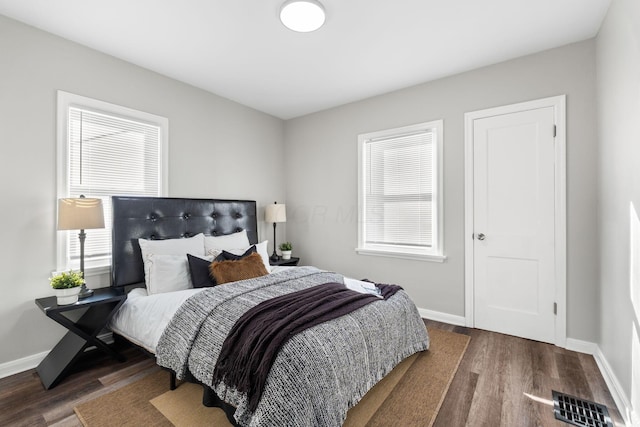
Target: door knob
481, 236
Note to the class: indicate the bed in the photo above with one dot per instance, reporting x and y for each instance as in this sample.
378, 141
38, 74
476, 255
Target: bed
320, 369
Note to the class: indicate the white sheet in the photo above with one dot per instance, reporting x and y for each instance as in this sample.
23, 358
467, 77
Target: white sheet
142, 318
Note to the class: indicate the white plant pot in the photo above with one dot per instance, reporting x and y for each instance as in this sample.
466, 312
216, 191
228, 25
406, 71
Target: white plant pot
286, 254
67, 296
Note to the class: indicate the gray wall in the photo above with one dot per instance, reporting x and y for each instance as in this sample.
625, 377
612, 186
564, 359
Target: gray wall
321, 159
217, 148
618, 66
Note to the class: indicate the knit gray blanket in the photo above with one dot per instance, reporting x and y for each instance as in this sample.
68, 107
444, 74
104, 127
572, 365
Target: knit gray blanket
320, 373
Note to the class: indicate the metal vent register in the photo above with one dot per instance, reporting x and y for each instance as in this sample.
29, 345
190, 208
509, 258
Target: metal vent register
580, 412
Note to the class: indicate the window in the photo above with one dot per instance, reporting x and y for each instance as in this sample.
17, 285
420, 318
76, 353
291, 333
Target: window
104, 150
400, 192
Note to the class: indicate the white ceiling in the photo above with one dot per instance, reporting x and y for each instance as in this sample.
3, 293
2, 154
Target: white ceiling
239, 49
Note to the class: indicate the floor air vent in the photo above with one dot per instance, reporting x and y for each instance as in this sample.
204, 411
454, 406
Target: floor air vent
580, 412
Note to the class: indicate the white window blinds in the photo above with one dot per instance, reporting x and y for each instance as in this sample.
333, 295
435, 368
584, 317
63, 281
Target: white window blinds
108, 153
399, 190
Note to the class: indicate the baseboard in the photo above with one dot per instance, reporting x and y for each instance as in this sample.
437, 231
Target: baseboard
580, 346
623, 403
16, 366
616, 390
30, 362
452, 319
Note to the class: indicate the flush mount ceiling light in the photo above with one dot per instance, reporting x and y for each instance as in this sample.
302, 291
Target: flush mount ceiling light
302, 16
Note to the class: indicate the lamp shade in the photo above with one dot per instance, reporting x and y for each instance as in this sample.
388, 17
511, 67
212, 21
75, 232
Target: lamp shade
80, 214
275, 213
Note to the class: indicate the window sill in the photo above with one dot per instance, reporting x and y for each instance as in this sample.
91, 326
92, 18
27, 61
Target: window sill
97, 270
402, 255
89, 270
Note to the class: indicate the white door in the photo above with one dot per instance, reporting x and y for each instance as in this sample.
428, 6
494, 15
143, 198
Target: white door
513, 224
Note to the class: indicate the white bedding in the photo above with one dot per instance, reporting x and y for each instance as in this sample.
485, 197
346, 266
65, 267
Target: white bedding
142, 318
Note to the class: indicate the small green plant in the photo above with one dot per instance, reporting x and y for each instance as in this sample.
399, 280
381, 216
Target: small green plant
286, 246
66, 280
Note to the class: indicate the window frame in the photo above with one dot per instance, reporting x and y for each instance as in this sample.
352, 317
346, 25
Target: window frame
67, 100
436, 252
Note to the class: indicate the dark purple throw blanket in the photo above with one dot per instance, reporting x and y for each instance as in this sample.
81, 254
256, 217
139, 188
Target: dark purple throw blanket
254, 341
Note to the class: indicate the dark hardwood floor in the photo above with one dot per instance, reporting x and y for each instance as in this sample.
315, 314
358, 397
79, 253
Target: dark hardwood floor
501, 381
507, 381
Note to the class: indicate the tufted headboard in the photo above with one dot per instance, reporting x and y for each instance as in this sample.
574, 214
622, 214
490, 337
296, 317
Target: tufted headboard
170, 218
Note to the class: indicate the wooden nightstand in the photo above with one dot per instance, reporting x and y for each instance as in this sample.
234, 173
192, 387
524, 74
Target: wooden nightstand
83, 333
292, 262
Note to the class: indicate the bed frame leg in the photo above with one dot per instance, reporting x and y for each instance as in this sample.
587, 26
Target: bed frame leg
172, 381
211, 400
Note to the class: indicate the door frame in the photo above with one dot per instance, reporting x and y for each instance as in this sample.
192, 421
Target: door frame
560, 212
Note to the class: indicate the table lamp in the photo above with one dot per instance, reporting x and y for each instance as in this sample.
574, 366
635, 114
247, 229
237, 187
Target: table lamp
275, 213
80, 214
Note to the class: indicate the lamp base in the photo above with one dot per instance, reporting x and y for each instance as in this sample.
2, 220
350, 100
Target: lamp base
274, 257
85, 292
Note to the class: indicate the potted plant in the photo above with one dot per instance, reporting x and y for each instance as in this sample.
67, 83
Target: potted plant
66, 286
285, 248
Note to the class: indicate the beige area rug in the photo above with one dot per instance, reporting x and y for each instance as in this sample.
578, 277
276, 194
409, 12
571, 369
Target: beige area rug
410, 395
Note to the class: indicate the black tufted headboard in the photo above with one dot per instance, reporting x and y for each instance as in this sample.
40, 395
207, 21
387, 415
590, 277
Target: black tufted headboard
170, 218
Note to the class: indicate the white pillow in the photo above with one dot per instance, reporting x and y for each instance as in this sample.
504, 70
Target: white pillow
192, 245
261, 249
168, 273
229, 242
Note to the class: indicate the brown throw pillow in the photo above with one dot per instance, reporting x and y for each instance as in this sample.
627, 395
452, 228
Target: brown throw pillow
246, 268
